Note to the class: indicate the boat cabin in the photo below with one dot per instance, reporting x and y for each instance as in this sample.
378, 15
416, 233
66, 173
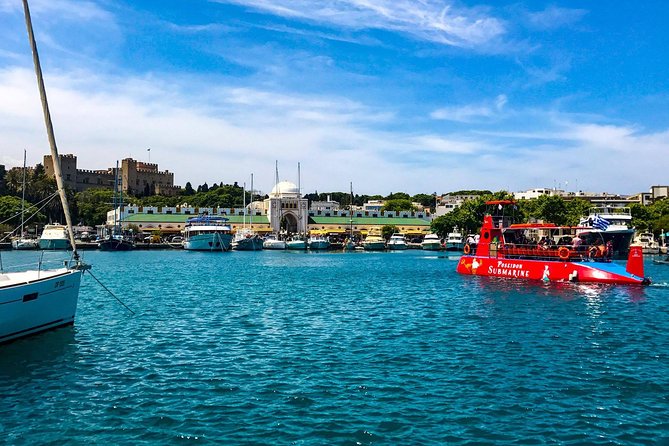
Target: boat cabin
502, 238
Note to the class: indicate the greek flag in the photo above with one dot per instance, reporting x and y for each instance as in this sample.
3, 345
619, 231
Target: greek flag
600, 223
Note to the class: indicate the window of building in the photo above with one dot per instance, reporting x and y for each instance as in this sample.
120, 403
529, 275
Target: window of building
150, 211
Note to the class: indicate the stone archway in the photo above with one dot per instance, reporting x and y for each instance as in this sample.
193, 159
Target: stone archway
289, 223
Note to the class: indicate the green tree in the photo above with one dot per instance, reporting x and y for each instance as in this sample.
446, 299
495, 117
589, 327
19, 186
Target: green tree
188, 190
552, 209
93, 205
398, 196
388, 230
426, 200
398, 205
576, 209
14, 181
3, 186
10, 210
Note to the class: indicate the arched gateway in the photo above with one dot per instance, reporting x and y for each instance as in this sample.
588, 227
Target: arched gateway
286, 208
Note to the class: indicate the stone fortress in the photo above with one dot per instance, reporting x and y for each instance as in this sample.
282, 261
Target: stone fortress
135, 177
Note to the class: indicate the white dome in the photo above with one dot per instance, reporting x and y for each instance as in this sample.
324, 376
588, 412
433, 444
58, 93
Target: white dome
285, 188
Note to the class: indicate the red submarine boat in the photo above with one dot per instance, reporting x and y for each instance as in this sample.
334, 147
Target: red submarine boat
545, 252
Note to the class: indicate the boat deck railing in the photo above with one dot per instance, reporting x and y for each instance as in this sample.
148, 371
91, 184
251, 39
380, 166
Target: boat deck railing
551, 252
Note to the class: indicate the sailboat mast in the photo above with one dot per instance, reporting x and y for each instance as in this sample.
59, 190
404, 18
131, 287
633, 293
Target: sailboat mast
23, 193
351, 211
115, 192
250, 203
49, 130
117, 221
244, 201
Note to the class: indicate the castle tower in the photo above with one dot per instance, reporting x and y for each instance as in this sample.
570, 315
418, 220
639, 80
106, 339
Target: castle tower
68, 165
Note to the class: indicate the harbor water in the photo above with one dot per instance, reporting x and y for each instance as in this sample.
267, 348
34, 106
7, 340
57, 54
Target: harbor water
392, 348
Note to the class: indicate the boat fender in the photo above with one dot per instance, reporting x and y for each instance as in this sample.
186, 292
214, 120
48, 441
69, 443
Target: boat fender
563, 253
467, 250
573, 276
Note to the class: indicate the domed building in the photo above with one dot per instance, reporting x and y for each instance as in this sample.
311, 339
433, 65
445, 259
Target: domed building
286, 209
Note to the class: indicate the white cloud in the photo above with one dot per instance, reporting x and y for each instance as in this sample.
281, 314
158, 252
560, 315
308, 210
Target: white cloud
213, 133
430, 20
471, 112
554, 17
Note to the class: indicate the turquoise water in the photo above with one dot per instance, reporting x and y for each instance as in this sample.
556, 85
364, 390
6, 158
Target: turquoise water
359, 348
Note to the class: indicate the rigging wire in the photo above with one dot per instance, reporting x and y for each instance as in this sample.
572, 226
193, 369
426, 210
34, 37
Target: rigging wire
109, 291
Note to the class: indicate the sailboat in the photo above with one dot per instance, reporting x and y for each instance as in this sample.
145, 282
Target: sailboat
115, 240
349, 243
246, 239
36, 300
22, 242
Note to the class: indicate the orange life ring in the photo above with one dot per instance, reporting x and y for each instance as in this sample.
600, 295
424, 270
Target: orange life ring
563, 253
467, 249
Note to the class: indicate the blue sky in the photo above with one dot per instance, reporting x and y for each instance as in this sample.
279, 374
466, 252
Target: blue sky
393, 95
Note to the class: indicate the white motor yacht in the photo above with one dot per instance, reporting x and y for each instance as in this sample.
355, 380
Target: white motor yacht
54, 237
397, 242
318, 242
273, 242
647, 242
612, 224
374, 241
431, 242
454, 241
207, 233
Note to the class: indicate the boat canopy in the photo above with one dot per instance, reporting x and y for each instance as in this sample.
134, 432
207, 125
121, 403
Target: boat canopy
207, 219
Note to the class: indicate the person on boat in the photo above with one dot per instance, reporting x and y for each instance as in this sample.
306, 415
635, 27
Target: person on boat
576, 243
597, 251
472, 244
609, 250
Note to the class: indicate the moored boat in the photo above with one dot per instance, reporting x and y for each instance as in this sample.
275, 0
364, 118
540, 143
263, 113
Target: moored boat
25, 243
296, 244
247, 240
318, 242
36, 300
116, 242
273, 242
454, 241
397, 242
561, 254
374, 241
207, 233
431, 242
647, 242
613, 224
54, 237
22, 242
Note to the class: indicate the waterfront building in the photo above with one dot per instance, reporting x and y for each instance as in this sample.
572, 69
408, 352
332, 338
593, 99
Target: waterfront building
325, 206
373, 206
172, 220
286, 209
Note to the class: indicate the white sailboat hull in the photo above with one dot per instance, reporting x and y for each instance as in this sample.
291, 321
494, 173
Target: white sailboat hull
35, 301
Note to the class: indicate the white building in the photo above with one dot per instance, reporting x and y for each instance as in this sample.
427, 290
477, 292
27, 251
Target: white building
286, 209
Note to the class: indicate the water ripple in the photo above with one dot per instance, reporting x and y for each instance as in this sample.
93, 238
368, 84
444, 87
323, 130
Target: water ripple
364, 348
